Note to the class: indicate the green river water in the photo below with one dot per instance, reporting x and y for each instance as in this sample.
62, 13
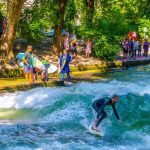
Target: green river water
58, 118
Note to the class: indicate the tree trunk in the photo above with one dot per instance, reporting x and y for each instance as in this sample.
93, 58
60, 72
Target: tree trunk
14, 8
89, 12
60, 24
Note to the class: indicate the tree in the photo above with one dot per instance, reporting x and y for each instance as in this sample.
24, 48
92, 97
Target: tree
14, 8
90, 12
36, 20
60, 23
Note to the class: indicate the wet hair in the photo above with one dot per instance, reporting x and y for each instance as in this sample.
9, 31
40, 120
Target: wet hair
115, 96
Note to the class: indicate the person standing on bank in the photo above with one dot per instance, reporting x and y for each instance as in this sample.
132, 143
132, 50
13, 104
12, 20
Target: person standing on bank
28, 64
131, 46
88, 48
145, 47
140, 48
65, 60
99, 106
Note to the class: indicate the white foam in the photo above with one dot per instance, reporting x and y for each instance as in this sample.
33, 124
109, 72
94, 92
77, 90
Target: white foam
99, 90
79, 145
146, 90
42, 97
36, 98
19, 148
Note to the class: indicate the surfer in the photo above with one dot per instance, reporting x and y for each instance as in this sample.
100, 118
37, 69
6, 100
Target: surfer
64, 65
44, 75
28, 64
99, 106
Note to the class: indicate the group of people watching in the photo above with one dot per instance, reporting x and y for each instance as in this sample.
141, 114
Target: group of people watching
133, 48
31, 72
70, 43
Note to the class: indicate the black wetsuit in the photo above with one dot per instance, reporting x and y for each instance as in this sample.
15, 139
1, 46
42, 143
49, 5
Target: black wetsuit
99, 106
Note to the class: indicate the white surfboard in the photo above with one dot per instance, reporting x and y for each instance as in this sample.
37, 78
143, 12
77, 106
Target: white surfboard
52, 68
94, 131
36, 62
21, 64
68, 83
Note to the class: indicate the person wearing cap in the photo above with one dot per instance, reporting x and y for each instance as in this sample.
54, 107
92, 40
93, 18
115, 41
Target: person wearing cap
100, 105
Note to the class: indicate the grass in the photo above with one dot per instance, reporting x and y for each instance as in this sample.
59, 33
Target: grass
11, 82
14, 84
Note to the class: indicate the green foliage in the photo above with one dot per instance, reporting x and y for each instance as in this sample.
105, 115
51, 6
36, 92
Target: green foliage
36, 20
106, 23
141, 23
105, 49
111, 22
2, 8
106, 33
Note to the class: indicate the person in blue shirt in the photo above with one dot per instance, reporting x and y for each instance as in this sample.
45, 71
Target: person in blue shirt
65, 59
135, 45
131, 46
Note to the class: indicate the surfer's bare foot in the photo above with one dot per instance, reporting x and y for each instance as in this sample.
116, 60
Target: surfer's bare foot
95, 128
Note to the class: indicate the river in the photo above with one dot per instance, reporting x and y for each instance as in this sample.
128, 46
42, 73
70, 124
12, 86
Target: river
57, 118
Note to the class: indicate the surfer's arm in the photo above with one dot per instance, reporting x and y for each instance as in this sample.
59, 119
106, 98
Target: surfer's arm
115, 112
24, 60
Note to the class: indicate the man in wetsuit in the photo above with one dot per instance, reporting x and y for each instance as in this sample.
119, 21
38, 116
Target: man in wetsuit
64, 68
99, 106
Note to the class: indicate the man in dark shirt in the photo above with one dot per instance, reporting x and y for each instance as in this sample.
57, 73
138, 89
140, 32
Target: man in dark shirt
99, 106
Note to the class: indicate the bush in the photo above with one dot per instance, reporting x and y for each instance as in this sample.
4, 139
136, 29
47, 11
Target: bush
105, 49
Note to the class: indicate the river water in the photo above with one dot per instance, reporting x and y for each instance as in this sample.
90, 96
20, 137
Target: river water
58, 118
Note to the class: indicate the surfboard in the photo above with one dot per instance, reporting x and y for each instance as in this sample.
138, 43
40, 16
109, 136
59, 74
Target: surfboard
94, 131
36, 62
52, 68
63, 64
68, 83
21, 64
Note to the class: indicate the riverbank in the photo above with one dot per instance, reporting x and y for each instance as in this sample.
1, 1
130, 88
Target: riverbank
19, 84
84, 70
